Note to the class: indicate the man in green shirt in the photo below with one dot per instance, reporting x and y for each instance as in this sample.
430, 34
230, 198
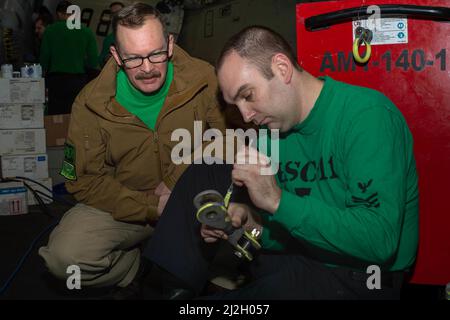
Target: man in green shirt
337, 220
67, 56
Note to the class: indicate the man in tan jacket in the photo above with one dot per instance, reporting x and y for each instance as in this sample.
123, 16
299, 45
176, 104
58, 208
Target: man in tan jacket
118, 152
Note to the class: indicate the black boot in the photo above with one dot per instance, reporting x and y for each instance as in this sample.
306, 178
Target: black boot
175, 289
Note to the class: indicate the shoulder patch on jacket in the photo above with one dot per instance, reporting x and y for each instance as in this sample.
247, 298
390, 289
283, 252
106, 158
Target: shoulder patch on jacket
68, 167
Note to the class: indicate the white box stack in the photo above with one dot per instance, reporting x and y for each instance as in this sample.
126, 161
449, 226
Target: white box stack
23, 151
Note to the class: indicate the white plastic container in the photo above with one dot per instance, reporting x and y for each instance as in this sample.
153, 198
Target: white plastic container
7, 71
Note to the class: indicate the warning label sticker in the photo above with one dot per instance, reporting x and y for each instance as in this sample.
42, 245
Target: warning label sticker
385, 30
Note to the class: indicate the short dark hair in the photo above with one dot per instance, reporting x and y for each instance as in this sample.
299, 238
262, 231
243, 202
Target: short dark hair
45, 18
258, 45
134, 16
116, 3
62, 6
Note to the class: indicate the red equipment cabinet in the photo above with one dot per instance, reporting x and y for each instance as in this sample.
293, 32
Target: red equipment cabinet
416, 77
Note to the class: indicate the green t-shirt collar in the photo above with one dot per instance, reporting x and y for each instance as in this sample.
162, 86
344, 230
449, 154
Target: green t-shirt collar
145, 106
126, 88
314, 119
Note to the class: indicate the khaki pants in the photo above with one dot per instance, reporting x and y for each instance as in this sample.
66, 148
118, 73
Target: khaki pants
106, 251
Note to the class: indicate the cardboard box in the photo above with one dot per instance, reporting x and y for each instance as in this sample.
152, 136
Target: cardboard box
56, 127
22, 90
55, 161
22, 141
5, 91
30, 166
21, 116
13, 198
31, 200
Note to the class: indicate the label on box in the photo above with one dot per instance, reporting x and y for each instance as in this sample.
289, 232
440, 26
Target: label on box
23, 141
27, 91
32, 166
13, 198
27, 140
21, 116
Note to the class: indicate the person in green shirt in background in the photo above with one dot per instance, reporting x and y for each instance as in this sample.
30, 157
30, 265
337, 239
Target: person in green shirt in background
337, 220
109, 40
68, 57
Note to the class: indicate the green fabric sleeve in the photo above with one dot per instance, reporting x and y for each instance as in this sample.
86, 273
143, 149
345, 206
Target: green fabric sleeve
369, 225
269, 236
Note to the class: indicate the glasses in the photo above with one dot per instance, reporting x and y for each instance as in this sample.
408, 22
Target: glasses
155, 57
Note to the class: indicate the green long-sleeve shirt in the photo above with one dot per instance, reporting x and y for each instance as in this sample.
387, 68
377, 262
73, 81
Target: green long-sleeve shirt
349, 182
66, 50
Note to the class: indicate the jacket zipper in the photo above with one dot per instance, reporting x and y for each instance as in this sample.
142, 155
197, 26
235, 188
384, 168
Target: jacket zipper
179, 105
155, 139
